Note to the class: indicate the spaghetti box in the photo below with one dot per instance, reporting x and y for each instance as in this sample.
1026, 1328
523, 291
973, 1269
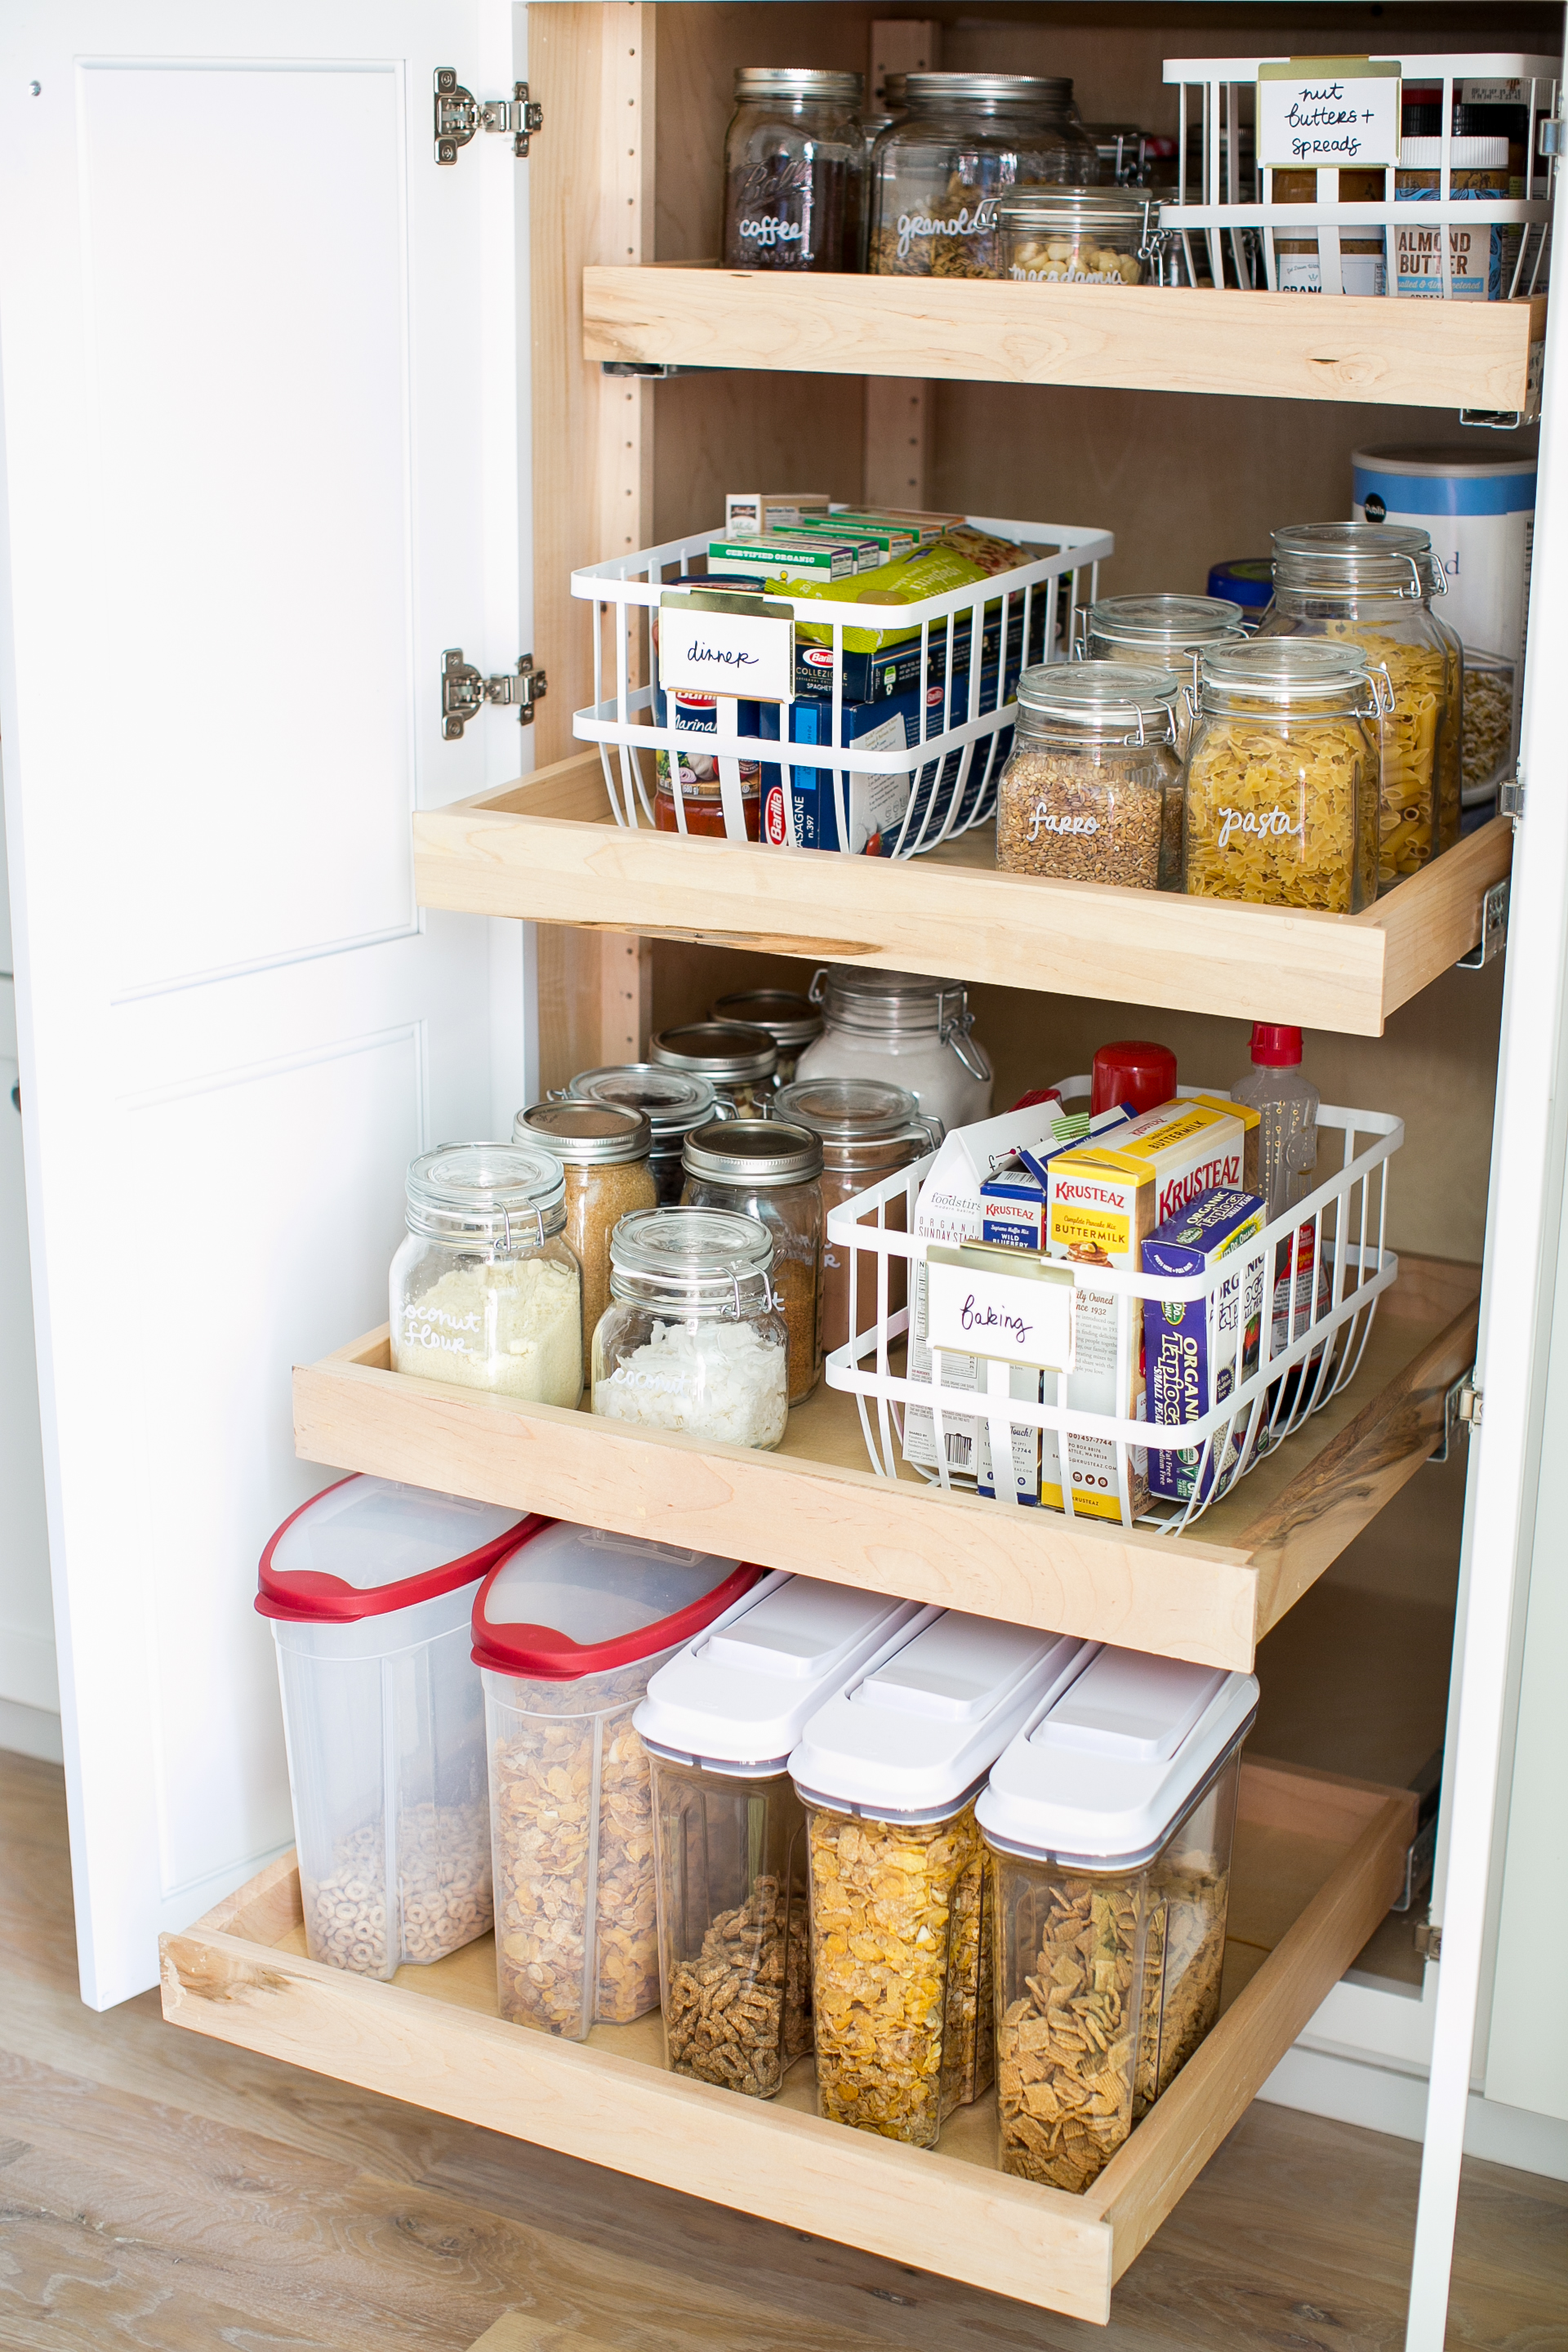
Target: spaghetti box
878, 810
794, 556
1189, 1345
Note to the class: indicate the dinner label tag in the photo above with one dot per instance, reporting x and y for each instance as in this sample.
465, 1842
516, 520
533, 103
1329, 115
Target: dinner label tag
1323, 114
978, 1305
719, 644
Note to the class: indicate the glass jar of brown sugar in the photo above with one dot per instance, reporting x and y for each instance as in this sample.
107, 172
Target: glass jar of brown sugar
603, 1155
769, 1171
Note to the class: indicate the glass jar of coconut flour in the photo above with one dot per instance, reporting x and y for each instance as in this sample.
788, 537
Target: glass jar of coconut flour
486, 1292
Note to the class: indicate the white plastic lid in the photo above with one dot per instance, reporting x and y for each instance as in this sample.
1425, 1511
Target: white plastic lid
742, 1694
1104, 1774
574, 1600
373, 1536
908, 1741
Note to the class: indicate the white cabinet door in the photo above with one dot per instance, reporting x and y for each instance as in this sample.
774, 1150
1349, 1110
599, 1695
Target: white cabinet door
260, 407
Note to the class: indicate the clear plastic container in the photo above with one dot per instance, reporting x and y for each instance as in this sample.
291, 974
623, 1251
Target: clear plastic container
907, 1030
1110, 1821
965, 141
1092, 788
567, 1629
1167, 633
795, 164
770, 1171
900, 1915
672, 1101
720, 1720
693, 1338
739, 1062
603, 1149
791, 1021
368, 1588
486, 1292
867, 1130
1088, 237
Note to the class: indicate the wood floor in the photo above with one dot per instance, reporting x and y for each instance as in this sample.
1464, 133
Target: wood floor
163, 2193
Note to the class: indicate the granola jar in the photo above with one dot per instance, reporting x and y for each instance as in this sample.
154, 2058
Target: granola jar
1092, 788
1109, 1823
718, 1721
907, 1030
486, 1292
566, 1630
1282, 781
693, 1337
739, 1062
900, 1915
1370, 585
603, 1154
766, 1169
1166, 632
672, 1101
867, 1130
966, 141
1090, 236
794, 166
791, 1021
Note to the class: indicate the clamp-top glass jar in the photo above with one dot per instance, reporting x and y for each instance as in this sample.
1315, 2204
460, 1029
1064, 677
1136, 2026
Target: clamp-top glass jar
1091, 237
693, 1338
1282, 798
794, 162
486, 1293
769, 1171
672, 1101
1091, 791
1167, 631
867, 1130
906, 1029
1370, 585
965, 142
603, 1149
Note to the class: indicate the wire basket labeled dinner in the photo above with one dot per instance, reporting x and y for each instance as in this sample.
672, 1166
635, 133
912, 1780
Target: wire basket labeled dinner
1099, 1317
845, 684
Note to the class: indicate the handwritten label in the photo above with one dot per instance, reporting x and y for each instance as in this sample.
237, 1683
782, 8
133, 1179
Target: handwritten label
735, 645
1269, 823
1323, 114
976, 1309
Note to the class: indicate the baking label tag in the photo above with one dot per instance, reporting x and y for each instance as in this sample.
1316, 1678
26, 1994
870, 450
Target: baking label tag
977, 1306
719, 644
1319, 114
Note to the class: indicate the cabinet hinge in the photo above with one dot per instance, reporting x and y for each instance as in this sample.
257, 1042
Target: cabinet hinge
1471, 1401
1429, 1939
459, 114
465, 692
1510, 798
1494, 928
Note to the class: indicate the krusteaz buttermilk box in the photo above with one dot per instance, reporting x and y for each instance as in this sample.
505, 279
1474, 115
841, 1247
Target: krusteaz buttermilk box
1189, 1345
1104, 1203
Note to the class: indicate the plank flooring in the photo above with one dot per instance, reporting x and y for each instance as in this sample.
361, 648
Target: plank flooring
163, 2193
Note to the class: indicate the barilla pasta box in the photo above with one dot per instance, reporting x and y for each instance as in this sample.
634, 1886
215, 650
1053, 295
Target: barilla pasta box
1190, 1361
790, 555
1104, 1200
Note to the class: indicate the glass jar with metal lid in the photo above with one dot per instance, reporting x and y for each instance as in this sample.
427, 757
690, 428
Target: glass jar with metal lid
739, 1062
1370, 585
1091, 237
693, 1338
672, 1101
867, 1130
966, 141
486, 1292
603, 1149
907, 1029
794, 167
1166, 631
791, 1021
1091, 791
762, 1169
1281, 797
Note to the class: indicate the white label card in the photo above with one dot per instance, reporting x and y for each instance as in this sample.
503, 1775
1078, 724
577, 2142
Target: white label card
739, 646
976, 1308
1319, 114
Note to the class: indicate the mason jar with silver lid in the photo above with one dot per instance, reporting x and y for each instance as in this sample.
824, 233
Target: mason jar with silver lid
867, 1130
762, 1169
485, 1291
693, 1338
1165, 630
603, 1149
1091, 237
791, 1021
794, 163
908, 1030
740, 1061
965, 142
1092, 788
672, 1101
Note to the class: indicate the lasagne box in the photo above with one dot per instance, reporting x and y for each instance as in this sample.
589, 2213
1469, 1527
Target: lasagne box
1189, 1345
746, 512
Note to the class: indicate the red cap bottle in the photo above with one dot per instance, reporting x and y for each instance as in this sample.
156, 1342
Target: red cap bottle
1135, 1073
1274, 1047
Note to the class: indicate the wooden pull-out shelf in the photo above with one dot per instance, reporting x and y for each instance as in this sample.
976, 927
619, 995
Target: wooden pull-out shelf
1317, 1861
548, 849
816, 1507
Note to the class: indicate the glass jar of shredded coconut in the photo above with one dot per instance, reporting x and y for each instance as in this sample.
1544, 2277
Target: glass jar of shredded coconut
693, 1337
485, 1291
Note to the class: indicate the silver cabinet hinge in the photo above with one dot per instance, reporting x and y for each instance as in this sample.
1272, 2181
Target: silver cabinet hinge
1494, 928
1471, 1401
1453, 1415
465, 692
1429, 1939
458, 115
1510, 798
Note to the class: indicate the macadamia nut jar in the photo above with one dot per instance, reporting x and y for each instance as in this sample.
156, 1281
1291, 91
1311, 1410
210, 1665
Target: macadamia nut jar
1083, 236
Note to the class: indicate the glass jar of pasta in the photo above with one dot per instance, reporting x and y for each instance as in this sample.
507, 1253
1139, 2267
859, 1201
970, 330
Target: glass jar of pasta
1370, 585
1283, 776
1167, 631
965, 141
1091, 237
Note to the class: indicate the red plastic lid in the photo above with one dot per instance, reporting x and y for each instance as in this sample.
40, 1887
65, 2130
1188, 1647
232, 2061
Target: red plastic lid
365, 1547
1038, 1095
1135, 1073
567, 1602
1274, 1046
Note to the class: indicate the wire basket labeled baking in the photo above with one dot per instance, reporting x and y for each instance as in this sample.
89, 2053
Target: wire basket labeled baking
898, 718
1267, 1335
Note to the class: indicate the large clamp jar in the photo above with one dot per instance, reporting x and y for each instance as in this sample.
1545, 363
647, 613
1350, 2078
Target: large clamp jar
795, 164
966, 141
1281, 791
693, 1337
906, 1029
1168, 632
486, 1291
672, 1101
1091, 791
1372, 585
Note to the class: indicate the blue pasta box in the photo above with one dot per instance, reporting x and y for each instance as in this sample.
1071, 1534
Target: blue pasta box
894, 667
1190, 1346
873, 814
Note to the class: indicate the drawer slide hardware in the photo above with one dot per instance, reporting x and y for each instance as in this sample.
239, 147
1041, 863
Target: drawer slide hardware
458, 115
1429, 1940
1494, 921
1510, 798
1471, 1401
1453, 1417
465, 692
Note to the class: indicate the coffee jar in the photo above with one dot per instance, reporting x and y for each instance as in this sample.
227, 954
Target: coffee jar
793, 170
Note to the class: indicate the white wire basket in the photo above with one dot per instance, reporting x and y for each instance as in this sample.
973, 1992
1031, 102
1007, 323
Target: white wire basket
1309, 1347
1234, 215
958, 655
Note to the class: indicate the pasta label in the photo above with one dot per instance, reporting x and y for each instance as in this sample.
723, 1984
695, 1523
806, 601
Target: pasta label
1259, 821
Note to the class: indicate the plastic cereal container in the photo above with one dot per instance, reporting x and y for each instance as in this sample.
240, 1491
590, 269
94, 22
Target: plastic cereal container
566, 1630
1109, 1822
720, 1721
900, 1915
368, 1588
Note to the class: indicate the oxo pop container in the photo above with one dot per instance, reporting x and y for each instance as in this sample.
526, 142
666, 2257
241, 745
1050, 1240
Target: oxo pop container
900, 1943
369, 1588
1109, 1822
567, 1629
720, 1721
